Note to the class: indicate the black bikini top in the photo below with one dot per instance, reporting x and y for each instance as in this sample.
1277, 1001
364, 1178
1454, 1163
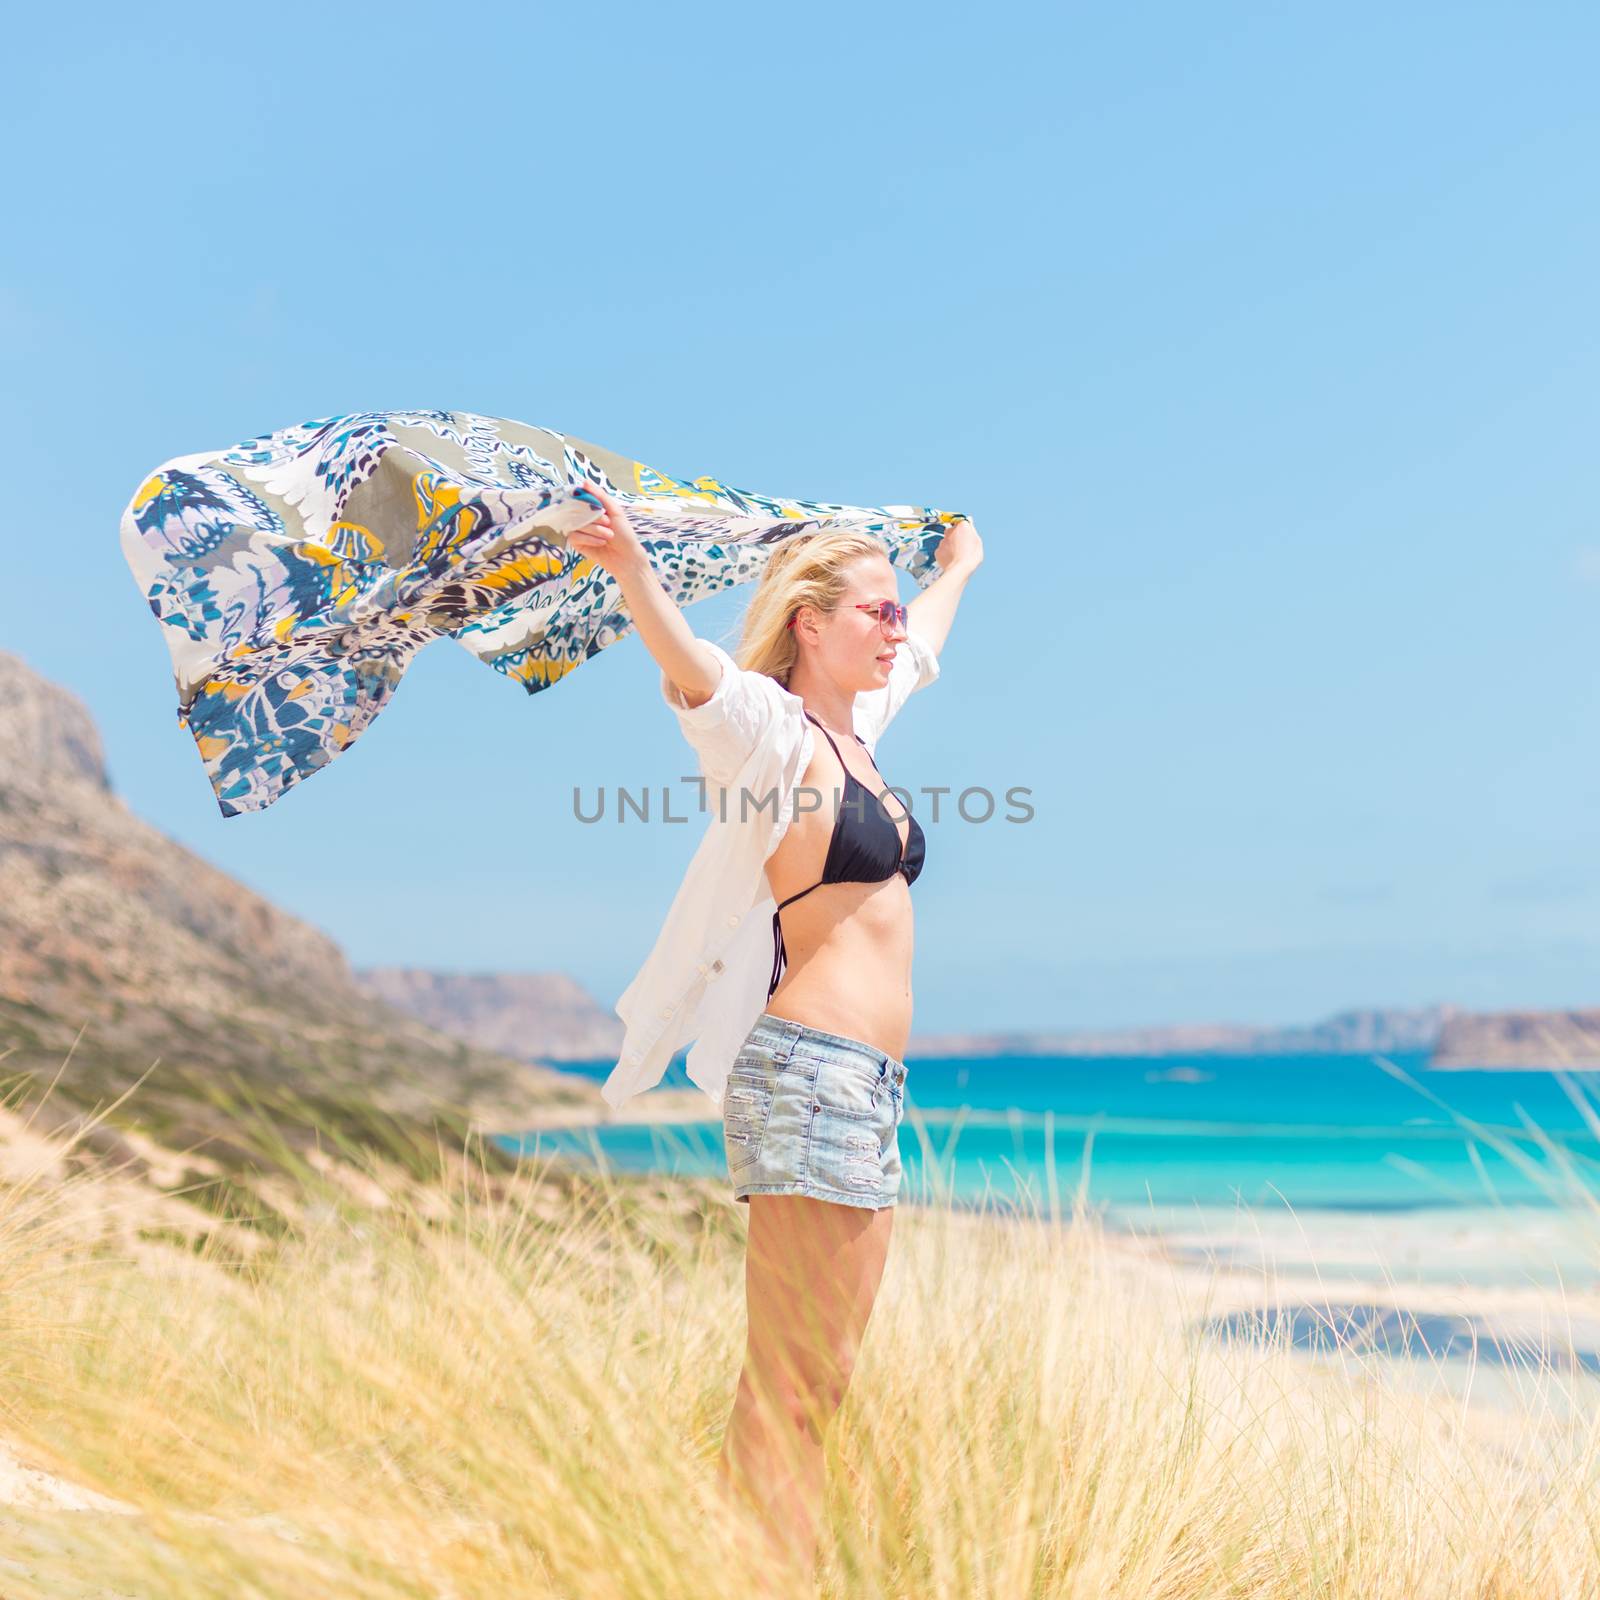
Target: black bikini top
865, 847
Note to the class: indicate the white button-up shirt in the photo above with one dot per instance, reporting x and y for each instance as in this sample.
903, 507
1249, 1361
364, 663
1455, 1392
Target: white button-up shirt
706, 979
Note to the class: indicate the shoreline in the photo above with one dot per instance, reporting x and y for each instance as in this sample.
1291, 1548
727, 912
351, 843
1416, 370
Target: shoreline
654, 1105
1429, 1246
1474, 1298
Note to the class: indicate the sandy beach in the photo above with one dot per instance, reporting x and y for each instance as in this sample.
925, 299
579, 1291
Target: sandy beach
1463, 1297
659, 1105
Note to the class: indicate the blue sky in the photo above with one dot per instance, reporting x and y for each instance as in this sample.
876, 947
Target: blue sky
1260, 343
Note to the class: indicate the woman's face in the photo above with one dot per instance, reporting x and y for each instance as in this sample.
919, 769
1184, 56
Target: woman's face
849, 644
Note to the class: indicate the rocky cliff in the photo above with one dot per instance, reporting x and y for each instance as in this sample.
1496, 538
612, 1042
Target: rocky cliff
533, 1016
1539, 1039
549, 1017
1346, 1033
121, 948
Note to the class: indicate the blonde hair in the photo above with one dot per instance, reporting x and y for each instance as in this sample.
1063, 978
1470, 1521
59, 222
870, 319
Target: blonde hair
806, 570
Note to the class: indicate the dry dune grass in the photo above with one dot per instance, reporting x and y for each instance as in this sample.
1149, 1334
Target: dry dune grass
461, 1383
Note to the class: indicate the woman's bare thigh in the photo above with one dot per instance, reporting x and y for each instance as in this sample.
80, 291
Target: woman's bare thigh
812, 1271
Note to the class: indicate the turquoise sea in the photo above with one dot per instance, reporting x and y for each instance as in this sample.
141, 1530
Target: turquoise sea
1154, 1134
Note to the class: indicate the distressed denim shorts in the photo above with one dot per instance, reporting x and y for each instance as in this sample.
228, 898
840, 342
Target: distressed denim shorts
809, 1112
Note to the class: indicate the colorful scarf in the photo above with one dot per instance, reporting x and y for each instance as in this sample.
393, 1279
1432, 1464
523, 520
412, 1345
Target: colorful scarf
294, 576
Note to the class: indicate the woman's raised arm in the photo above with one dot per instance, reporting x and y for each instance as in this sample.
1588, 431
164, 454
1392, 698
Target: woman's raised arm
959, 555
611, 542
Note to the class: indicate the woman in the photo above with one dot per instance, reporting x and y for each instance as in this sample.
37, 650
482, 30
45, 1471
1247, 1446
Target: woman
814, 1094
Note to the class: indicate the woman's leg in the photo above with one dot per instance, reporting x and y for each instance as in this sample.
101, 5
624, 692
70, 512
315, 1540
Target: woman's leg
812, 1270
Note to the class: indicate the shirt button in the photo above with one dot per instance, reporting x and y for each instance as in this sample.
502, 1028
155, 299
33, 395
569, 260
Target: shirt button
666, 1011
733, 922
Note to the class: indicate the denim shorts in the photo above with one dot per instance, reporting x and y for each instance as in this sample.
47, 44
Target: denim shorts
809, 1112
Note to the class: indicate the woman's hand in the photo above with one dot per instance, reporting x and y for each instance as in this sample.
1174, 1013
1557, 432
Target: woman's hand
960, 547
610, 540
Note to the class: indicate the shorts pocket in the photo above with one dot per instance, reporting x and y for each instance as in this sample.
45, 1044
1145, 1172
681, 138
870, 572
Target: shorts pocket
746, 1110
849, 1092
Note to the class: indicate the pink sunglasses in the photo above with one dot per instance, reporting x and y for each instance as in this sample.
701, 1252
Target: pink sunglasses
891, 614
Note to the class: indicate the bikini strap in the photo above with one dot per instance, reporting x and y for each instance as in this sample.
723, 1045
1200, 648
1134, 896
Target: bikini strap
829, 737
904, 811
780, 950
782, 903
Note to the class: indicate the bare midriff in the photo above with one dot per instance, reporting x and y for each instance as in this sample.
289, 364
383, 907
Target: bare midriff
847, 945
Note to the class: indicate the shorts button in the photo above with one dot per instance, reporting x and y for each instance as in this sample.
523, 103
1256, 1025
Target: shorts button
816, 1108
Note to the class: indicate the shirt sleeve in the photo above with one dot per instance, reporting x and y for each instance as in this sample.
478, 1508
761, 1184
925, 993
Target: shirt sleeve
915, 667
732, 725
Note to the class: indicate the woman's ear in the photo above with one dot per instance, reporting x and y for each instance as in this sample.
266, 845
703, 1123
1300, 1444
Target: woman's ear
802, 621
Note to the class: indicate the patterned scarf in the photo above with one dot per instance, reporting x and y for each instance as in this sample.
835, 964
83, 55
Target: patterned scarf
294, 576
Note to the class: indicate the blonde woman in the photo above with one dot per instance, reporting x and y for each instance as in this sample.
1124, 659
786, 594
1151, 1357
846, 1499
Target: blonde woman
811, 1077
